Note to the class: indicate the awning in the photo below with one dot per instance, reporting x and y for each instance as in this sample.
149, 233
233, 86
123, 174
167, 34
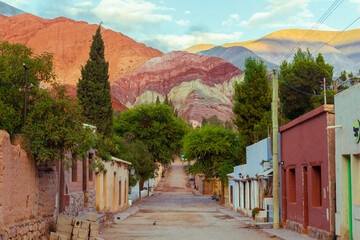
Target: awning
266, 173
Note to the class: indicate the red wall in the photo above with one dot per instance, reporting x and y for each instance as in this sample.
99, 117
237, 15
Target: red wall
304, 143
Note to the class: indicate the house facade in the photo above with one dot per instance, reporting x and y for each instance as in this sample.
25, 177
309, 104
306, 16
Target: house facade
347, 116
112, 186
250, 185
308, 173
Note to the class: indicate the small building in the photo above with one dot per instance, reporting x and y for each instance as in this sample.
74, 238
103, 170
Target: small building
112, 186
307, 151
347, 116
250, 185
77, 185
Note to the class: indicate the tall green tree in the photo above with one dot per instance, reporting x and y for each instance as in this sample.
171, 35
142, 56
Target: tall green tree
214, 150
93, 89
157, 127
12, 82
305, 75
252, 105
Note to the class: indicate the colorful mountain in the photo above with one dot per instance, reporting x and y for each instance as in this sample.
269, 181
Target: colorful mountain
7, 10
340, 49
199, 86
235, 55
70, 40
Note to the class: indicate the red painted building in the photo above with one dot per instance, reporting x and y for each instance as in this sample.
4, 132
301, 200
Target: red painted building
308, 173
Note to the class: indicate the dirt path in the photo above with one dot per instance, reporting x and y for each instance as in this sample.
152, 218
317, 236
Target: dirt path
180, 215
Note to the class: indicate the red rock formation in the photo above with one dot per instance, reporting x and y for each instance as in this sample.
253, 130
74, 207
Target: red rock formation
200, 86
70, 41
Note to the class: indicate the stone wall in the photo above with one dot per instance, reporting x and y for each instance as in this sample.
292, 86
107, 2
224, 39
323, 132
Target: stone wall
27, 193
318, 234
294, 226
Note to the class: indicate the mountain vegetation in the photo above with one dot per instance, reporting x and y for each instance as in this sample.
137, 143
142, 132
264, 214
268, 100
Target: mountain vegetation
252, 105
301, 85
93, 90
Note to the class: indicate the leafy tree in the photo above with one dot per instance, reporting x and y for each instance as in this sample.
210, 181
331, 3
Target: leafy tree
136, 152
157, 127
304, 74
204, 122
12, 81
252, 105
93, 89
54, 126
214, 149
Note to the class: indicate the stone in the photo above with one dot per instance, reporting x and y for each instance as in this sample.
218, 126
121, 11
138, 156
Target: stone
92, 217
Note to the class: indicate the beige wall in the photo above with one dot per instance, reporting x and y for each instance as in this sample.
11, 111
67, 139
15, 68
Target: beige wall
27, 192
112, 187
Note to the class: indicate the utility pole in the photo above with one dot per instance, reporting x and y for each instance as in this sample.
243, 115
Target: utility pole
25, 92
275, 141
324, 91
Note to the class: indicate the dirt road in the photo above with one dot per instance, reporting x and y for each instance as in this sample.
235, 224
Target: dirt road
180, 215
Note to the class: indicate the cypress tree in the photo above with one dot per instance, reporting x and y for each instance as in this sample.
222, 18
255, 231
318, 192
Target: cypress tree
93, 89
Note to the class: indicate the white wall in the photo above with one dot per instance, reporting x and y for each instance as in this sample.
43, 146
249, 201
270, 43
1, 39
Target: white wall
347, 111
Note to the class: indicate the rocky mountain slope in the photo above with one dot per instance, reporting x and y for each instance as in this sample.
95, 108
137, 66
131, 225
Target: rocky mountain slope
70, 40
235, 55
340, 50
199, 86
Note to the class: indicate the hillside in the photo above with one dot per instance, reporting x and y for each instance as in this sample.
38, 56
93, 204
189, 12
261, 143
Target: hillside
199, 86
235, 55
70, 41
343, 52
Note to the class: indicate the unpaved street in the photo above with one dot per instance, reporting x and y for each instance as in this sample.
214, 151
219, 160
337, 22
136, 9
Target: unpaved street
180, 215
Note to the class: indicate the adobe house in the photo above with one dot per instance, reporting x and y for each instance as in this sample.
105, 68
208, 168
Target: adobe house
250, 185
347, 116
77, 185
112, 186
307, 150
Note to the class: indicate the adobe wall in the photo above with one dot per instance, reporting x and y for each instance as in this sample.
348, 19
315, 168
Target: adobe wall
27, 193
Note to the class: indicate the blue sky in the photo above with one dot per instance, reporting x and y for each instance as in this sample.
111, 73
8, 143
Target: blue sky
176, 24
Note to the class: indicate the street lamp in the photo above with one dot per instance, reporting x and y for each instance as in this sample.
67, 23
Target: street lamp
25, 92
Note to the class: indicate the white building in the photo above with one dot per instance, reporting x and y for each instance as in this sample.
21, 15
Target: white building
250, 185
347, 155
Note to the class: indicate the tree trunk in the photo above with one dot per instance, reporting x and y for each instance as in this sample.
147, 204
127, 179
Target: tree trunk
141, 185
222, 192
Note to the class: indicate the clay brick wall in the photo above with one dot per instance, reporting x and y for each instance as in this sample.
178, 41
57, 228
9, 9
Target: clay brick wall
27, 193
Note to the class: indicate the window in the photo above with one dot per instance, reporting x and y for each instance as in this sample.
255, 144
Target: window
90, 165
316, 186
292, 185
74, 170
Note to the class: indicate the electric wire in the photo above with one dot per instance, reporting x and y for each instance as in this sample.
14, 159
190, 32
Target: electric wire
322, 19
337, 34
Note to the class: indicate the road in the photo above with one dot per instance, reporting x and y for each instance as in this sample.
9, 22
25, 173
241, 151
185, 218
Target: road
181, 215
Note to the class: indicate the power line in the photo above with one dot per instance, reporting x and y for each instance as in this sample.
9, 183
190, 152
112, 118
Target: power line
337, 34
327, 13
299, 91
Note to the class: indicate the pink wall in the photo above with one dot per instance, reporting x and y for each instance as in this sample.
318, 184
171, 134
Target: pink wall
304, 143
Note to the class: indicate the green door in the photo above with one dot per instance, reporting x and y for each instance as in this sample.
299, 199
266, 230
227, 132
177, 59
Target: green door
350, 201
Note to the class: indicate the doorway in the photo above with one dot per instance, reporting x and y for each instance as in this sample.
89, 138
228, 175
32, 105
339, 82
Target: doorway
306, 199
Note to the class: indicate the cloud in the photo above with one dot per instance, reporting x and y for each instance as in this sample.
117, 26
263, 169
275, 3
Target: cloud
280, 13
182, 22
129, 13
233, 18
169, 42
187, 12
83, 4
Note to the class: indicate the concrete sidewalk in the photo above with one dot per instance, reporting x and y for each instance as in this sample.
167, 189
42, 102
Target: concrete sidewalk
280, 233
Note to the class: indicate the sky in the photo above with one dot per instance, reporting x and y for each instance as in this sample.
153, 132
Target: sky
170, 25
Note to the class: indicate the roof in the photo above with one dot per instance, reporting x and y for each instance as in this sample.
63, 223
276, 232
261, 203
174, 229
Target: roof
120, 160
329, 108
231, 175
